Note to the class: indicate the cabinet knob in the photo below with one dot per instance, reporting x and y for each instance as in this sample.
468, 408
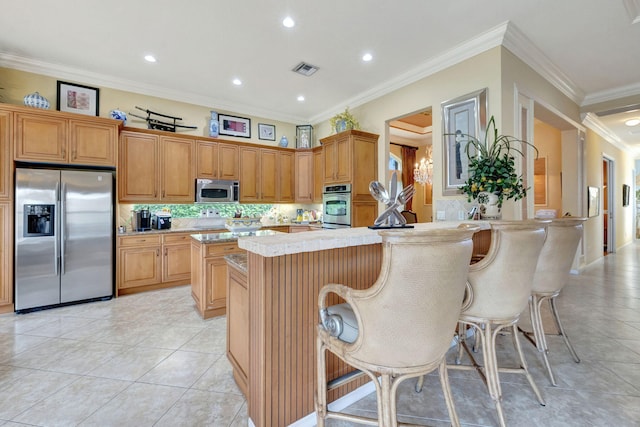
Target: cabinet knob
157, 252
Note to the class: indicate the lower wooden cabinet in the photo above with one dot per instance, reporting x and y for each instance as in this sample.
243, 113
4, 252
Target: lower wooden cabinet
153, 261
238, 326
209, 276
6, 258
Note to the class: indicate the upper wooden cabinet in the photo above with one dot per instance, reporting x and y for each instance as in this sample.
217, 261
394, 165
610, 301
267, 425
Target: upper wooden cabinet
6, 175
156, 168
217, 160
351, 156
318, 174
56, 138
304, 176
266, 175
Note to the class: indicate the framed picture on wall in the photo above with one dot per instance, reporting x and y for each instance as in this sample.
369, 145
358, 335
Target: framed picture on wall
234, 126
626, 190
75, 98
593, 201
266, 132
461, 117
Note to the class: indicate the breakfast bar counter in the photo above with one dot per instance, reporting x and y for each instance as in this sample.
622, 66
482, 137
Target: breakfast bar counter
284, 275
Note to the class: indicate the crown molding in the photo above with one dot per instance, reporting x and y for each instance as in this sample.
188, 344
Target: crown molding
96, 79
523, 48
478, 44
612, 94
591, 121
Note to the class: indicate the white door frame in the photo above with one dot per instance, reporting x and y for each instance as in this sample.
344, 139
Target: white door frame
610, 212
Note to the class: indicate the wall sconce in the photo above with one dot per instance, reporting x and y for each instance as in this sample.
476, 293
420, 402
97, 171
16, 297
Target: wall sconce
423, 172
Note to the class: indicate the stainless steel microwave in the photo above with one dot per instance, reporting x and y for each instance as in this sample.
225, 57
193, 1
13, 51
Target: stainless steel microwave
217, 191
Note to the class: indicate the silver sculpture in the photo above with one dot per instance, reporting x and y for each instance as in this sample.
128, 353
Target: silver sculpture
391, 217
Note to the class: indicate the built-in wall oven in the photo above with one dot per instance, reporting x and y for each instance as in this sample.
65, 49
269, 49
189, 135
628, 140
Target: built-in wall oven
336, 206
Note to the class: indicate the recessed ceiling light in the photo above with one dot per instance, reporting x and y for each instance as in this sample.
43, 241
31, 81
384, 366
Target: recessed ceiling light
288, 22
367, 57
150, 58
237, 82
300, 98
632, 122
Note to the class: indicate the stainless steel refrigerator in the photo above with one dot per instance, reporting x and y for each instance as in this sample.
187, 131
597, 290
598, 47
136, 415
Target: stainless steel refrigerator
63, 237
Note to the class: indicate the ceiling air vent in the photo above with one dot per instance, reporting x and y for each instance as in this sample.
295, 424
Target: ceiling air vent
305, 69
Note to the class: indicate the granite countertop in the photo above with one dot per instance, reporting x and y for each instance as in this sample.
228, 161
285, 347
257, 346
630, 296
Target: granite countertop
228, 236
284, 244
174, 230
239, 261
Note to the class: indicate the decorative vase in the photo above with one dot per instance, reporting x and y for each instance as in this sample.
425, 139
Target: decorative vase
118, 115
341, 126
214, 125
489, 208
284, 142
36, 100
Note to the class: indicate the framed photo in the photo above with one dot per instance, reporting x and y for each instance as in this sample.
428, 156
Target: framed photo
75, 98
626, 190
234, 126
266, 132
465, 115
304, 136
593, 201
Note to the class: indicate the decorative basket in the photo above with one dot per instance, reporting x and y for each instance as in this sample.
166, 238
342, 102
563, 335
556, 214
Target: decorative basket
36, 100
240, 225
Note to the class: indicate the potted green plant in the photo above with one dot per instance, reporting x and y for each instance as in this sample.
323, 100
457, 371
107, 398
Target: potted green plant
492, 169
343, 121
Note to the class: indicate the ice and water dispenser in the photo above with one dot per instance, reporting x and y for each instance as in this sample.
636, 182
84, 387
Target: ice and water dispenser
39, 220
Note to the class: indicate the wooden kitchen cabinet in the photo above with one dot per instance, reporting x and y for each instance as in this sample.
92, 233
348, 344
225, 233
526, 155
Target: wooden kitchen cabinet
258, 178
217, 160
154, 168
6, 160
209, 276
351, 157
304, 176
153, 261
176, 249
177, 170
55, 138
286, 183
318, 174
238, 326
363, 214
139, 261
6, 257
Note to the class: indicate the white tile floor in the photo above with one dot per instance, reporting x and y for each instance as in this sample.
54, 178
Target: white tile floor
148, 359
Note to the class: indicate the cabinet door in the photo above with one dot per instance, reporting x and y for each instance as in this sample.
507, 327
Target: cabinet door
363, 214
177, 262
329, 149
238, 325
216, 282
365, 158
6, 177
139, 266
285, 169
92, 143
304, 177
228, 161
138, 171
343, 160
177, 173
40, 138
207, 160
268, 175
249, 173
6, 256
318, 178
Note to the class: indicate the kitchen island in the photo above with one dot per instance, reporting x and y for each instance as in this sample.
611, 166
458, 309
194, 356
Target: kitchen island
284, 274
209, 268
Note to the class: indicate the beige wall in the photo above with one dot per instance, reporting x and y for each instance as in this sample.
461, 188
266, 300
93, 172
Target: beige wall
17, 84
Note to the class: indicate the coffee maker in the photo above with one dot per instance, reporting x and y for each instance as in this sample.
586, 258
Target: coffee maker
142, 220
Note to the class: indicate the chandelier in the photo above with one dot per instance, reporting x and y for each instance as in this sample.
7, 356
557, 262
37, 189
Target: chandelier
423, 172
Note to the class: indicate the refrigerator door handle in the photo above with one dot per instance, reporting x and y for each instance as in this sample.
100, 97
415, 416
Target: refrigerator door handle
63, 231
56, 232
